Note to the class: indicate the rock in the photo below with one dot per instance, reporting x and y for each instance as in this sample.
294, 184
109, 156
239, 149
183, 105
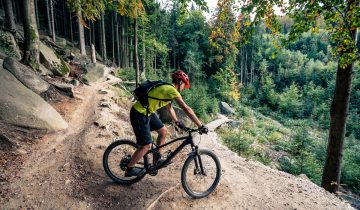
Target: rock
61, 42
75, 82
105, 105
67, 88
303, 176
21, 152
43, 71
234, 124
26, 76
9, 41
181, 115
104, 92
95, 72
52, 61
6, 142
82, 60
2, 56
21, 107
226, 109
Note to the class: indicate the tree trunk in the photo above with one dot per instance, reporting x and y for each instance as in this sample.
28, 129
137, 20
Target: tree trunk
136, 56
52, 21
144, 53
9, 17
131, 41
252, 66
90, 33
48, 18
37, 12
117, 38
126, 41
121, 41
71, 28
93, 53
64, 19
338, 112
242, 65
81, 34
103, 37
113, 37
18, 8
93, 33
31, 35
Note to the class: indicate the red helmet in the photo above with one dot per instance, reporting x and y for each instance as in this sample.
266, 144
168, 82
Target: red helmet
180, 75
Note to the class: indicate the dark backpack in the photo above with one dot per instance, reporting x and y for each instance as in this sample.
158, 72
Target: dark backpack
142, 91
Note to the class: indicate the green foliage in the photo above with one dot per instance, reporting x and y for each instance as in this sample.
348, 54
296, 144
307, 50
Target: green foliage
127, 74
303, 159
239, 142
351, 168
224, 36
90, 9
289, 102
201, 103
6, 44
224, 85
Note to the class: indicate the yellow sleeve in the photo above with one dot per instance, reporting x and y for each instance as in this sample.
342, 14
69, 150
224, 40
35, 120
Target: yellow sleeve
173, 93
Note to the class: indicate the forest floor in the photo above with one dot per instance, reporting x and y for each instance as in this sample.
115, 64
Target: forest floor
64, 170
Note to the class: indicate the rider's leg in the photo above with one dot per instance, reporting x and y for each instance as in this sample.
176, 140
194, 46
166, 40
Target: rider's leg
161, 137
138, 154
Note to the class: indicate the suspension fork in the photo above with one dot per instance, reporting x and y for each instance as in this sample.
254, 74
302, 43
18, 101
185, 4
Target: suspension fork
198, 161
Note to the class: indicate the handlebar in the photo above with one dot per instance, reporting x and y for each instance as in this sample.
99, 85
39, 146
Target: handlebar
190, 130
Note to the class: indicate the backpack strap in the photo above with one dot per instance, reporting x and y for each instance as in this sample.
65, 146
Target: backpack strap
159, 99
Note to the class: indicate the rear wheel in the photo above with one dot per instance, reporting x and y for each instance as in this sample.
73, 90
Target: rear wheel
116, 158
200, 174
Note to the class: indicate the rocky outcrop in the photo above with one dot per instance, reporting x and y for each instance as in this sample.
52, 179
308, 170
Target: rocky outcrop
26, 75
67, 88
226, 109
52, 61
94, 73
8, 41
180, 114
43, 71
21, 107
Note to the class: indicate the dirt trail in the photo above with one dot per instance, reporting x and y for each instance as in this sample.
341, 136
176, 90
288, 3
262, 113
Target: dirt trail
64, 170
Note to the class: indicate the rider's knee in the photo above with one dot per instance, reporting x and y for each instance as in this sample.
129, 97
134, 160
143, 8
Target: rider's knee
162, 131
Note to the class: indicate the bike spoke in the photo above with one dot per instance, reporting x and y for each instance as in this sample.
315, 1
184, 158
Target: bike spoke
200, 181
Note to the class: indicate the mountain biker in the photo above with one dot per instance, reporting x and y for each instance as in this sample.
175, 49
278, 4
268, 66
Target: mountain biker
143, 125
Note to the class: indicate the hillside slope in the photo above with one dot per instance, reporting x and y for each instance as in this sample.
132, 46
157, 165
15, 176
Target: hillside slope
64, 170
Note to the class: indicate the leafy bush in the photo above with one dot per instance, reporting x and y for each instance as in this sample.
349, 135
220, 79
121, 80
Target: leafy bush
200, 101
275, 137
351, 168
290, 103
6, 44
237, 142
128, 74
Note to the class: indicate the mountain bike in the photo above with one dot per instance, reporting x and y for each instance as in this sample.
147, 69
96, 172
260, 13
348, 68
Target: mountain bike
200, 173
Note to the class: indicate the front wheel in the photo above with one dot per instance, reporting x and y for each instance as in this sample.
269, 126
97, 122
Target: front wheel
200, 174
116, 158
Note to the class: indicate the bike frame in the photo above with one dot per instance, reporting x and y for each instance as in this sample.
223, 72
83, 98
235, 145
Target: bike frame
188, 140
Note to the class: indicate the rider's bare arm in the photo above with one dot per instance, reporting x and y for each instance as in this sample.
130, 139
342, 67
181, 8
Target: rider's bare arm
171, 112
189, 112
